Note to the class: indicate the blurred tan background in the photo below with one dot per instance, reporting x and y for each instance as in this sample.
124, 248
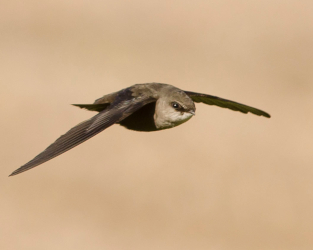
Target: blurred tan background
222, 181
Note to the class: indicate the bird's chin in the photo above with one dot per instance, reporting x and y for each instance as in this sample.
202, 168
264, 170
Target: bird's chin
173, 119
183, 118
178, 118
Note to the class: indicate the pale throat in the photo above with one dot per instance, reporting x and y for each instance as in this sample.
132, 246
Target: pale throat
170, 118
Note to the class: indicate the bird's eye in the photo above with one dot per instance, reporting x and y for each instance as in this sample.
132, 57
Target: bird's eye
175, 105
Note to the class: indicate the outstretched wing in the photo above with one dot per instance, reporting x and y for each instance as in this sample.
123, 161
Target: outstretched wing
87, 129
224, 103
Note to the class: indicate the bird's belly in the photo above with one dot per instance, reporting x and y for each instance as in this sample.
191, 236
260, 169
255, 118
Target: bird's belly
141, 120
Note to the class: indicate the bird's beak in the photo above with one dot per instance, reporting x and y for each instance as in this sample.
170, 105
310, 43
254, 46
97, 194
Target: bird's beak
192, 112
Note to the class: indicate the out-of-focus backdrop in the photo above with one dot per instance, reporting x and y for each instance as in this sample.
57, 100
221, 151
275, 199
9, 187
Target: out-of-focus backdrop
221, 181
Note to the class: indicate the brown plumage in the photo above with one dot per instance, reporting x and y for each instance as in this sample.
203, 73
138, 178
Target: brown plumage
141, 107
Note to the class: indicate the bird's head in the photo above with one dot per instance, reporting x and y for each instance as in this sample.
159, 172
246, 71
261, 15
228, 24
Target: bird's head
173, 108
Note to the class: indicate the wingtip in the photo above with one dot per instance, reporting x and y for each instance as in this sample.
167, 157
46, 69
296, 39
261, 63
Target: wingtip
17, 171
266, 115
77, 105
12, 174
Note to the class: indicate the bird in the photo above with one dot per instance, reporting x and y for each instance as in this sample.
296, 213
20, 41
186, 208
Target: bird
143, 107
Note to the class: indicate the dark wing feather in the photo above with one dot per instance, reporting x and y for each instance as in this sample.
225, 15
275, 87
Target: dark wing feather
224, 103
93, 107
86, 130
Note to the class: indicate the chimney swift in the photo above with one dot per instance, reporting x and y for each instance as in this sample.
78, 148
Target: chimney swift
141, 107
